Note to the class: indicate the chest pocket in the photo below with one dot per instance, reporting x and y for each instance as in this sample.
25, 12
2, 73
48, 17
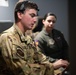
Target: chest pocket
50, 43
23, 51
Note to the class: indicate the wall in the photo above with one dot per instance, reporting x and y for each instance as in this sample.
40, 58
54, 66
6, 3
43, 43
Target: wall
6, 13
59, 7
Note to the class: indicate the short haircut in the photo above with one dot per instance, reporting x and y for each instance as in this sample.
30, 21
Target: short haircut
49, 14
21, 6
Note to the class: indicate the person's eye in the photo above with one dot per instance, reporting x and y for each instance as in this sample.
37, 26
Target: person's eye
32, 15
51, 21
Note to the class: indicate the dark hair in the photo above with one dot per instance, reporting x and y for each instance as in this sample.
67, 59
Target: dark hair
39, 25
21, 6
49, 14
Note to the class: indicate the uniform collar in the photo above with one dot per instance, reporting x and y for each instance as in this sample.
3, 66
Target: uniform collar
23, 38
45, 32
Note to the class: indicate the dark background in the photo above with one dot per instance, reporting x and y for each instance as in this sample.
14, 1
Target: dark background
72, 36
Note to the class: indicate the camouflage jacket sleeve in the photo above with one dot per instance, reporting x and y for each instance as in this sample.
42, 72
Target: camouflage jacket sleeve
43, 59
6, 51
18, 64
36, 64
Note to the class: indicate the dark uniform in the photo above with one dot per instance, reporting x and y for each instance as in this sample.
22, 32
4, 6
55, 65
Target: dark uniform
21, 56
53, 45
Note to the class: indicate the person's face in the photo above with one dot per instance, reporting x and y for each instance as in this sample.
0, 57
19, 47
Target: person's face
28, 19
49, 22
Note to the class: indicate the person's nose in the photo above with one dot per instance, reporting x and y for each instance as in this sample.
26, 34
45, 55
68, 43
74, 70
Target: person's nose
51, 23
35, 19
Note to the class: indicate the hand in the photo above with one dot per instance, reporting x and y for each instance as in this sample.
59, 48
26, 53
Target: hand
60, 63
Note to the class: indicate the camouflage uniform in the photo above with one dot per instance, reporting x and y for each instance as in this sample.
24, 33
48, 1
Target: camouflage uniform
21, 54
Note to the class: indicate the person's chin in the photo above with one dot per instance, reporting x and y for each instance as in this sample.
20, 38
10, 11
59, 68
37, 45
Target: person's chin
30, 28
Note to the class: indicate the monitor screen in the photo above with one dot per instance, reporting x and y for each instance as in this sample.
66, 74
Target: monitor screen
5, 25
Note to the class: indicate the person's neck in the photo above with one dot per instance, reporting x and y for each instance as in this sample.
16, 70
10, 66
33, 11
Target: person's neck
48, 31
21, 28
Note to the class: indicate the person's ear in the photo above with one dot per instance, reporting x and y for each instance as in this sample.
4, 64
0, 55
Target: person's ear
19, 15
43, 21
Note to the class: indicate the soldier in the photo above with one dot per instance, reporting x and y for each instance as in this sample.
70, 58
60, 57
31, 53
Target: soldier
19, 52
51, 41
